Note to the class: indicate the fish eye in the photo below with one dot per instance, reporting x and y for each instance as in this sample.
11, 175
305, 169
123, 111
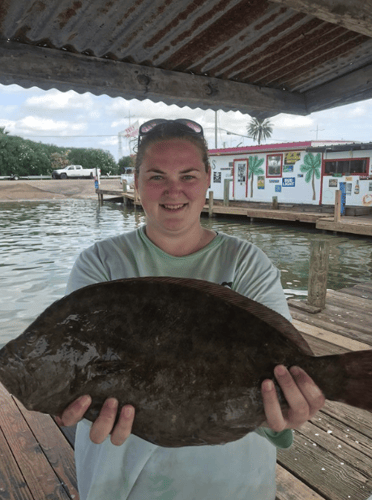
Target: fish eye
31, 338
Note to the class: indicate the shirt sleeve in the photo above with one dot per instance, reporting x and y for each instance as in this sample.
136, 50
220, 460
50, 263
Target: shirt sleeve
87, 270
281, 440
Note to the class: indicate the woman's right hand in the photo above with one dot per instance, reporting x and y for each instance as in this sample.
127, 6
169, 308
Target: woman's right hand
103, 426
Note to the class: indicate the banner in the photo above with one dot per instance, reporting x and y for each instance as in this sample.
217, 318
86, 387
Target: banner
132, 131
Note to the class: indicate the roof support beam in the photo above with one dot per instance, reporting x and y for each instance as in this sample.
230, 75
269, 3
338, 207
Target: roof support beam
48, 68
355, 15
354, 87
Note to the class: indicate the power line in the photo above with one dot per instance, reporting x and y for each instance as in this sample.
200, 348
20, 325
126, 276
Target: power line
69, 136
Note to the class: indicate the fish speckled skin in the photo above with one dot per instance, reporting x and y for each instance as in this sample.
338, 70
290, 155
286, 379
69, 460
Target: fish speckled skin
189, 355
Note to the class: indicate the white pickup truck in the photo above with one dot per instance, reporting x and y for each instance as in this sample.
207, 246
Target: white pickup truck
74, 172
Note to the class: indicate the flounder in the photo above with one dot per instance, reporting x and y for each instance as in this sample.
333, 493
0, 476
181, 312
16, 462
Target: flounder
189, 355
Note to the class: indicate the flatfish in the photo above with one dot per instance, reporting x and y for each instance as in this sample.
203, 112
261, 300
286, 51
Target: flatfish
188, 354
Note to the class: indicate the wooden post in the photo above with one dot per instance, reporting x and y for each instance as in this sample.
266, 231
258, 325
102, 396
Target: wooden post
125, 189
318, 273
226, 192
275, 205
210, 204
337, 216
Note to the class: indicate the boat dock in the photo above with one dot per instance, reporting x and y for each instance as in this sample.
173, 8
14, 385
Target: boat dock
331, 458
358, 220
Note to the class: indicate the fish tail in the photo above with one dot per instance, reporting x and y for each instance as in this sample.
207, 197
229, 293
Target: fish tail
358, 382
346, 378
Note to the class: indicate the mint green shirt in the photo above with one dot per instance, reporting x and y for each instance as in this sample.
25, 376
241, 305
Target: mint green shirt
138, 470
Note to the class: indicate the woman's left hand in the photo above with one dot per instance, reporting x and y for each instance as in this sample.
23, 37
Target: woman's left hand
303, 397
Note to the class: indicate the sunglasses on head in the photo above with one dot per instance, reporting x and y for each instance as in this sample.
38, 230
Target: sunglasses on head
193, 127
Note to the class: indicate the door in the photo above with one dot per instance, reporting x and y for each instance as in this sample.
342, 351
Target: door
240, 182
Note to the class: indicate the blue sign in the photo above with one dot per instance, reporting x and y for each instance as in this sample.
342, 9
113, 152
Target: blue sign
278, 189
96, 184
342, 186
288, 181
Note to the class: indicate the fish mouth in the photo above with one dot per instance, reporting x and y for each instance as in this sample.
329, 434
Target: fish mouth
173, 207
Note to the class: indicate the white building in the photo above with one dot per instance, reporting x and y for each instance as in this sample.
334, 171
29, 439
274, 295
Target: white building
299, 172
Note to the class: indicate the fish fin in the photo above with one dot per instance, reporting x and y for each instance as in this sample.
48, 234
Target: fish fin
358, 385
267, 315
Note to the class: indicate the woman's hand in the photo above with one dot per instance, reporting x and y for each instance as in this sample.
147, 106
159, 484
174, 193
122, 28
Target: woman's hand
303, 397
104, 424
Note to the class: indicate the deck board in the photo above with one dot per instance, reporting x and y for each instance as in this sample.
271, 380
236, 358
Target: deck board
331, 458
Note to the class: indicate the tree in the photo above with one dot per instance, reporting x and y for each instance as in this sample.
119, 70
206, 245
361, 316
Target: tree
311, 167
259, 129
126, 162
254, 169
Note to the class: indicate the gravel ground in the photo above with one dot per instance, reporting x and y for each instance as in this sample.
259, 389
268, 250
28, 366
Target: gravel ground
24, 190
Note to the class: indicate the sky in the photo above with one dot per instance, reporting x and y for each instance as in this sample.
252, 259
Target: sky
70, 119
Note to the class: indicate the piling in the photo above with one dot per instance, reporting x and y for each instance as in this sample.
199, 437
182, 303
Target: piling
318, 273
226, 192
210, 204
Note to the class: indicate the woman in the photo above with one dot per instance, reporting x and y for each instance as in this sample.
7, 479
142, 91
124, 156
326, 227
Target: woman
172, 176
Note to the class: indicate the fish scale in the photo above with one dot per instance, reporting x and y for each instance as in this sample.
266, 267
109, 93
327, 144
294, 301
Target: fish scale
188, 354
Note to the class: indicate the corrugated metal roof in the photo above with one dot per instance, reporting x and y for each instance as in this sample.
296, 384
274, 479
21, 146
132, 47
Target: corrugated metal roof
252, 42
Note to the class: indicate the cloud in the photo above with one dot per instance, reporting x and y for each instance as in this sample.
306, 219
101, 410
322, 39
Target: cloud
286, 122
32, 125
58, 101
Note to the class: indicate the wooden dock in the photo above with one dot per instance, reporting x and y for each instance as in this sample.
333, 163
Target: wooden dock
331, 458
359, 223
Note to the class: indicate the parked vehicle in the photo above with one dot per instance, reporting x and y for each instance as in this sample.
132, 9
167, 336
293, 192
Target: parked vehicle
74, 172
128, 178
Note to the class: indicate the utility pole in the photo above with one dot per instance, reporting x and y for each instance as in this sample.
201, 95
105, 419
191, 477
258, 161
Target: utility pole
317, 130
215, 129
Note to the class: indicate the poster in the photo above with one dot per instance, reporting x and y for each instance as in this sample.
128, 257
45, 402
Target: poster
261, 182
217, 177
292, 157
288, 168
289, 181
278, 188
242, 168
333, 183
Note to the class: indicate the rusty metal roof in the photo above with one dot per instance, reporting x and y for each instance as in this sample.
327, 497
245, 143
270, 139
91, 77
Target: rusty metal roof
254, 56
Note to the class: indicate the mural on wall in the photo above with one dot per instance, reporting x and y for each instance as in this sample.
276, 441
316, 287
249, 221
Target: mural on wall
255, 169
311, 166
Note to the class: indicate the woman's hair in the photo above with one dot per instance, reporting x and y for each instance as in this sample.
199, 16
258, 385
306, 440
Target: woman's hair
171, 130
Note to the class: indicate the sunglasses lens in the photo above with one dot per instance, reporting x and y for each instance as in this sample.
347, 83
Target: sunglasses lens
146, 127
193, 125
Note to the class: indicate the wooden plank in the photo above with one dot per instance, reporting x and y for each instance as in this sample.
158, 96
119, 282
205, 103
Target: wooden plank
346, 434
290, 215
362, 293
351, 227
329, 325
354, 16
303, 306
348, 301
50, 68
331, 337
353, 417
321, 348
314, 461
35, 468
12, 483
55, 447
289, 487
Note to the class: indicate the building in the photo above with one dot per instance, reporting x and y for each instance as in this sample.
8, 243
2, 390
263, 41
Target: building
300, 172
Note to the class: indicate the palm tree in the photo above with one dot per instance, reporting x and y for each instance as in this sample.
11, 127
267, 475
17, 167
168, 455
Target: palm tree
311, 166
3, 131
254, 169
260, 129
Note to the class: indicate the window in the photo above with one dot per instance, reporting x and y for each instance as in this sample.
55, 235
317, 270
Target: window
347, 167
274, 165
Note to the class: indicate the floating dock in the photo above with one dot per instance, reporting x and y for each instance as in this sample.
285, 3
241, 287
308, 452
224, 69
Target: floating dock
357, 221
331, 458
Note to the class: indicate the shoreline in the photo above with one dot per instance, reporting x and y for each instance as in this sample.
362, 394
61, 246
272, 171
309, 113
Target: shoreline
53, 189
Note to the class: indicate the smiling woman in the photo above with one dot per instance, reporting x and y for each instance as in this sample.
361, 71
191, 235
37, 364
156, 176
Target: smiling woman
172, 176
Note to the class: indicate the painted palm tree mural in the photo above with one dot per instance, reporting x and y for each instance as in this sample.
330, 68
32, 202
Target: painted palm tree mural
254, 169
311, 167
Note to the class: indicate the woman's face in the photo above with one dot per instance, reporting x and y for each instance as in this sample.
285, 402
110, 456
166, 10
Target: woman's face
172, 183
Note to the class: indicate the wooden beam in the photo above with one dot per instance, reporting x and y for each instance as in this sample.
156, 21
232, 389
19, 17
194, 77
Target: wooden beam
47, 68
355, 15
353, 87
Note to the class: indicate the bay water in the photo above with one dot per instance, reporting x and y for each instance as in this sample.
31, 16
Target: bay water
40, 241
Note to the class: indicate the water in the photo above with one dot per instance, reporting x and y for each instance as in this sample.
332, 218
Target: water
39, 242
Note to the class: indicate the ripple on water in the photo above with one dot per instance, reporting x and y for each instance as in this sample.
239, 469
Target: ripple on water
39, 243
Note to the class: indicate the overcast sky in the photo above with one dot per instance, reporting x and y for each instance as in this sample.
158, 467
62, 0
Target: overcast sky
83, 120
